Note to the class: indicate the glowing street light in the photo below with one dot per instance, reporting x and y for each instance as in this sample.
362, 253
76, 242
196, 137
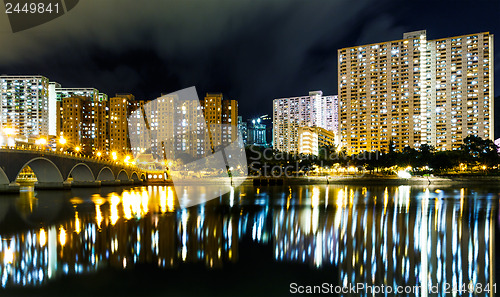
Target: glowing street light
99, 154
114, 156
127, 159
78, 149
41, 141
9, 131
62, 140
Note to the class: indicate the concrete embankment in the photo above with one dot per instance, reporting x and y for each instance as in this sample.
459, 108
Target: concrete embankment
378, 180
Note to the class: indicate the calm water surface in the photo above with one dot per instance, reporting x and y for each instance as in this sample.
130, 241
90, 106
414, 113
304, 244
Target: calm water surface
253, 241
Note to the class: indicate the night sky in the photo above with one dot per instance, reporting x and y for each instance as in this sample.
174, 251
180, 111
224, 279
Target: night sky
251, 50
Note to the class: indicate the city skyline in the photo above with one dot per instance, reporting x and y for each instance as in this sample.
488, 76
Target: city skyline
160, 57
437, 70
249, 148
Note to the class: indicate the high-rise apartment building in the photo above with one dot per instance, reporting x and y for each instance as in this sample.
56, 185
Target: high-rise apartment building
229, 117
184, 128
174, 127
413, 91
120, 107
307, 111
53, 106
83, 118
71, 121
221, 116
24, 105
462, 95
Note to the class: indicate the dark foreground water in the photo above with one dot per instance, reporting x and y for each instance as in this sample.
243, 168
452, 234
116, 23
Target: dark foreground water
267, 241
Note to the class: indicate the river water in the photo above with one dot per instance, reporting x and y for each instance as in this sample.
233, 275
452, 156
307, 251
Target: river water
253, 241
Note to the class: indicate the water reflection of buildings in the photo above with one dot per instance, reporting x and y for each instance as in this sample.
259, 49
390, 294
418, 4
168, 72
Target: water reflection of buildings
136, 227
391, 236
395, 238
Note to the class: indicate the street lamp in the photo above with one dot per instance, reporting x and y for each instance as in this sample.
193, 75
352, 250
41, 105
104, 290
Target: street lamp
114, 156
78, 149
62, 140
41, 141
9, 131
99, 154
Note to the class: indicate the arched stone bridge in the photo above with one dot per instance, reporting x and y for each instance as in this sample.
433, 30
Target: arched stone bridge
55, 170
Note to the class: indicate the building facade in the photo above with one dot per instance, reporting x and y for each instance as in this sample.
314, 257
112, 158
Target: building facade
257, 133
83, 119
120, 107
413, 91
243, 129
24, 105
221, 117
307, 111
173, 128
312, 139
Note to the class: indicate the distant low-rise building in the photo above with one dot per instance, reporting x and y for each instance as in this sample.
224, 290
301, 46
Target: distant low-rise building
311, 139
257, 133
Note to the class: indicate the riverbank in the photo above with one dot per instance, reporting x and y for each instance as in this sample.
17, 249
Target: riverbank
388, 180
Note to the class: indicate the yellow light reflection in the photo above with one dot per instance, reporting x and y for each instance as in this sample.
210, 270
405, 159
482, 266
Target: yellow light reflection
62, 236
98, 215
163, 201
170, 199
43, 237
386, 199
115, 200
98, 201
315, 197
77, 223
127, 205
289, 198
144, 202
341, 198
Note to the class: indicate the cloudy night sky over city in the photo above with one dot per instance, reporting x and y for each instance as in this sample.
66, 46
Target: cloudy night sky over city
252, 51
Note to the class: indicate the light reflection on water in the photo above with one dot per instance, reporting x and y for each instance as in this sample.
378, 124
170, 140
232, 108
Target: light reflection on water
376, 235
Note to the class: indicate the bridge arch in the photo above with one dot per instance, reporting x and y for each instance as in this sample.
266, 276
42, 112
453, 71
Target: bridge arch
4, 179
105, 174
134, 176
81, 172
45, 170
143, 176
122, 175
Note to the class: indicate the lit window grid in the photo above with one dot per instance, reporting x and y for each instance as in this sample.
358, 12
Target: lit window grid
359, 129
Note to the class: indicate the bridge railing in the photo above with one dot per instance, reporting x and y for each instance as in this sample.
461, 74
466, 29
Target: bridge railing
71, 155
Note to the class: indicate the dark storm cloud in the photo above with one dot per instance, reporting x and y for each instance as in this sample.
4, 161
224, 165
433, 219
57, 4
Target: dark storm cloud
251, 50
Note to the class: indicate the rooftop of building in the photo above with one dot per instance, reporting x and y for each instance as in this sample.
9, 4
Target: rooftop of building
410, 35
